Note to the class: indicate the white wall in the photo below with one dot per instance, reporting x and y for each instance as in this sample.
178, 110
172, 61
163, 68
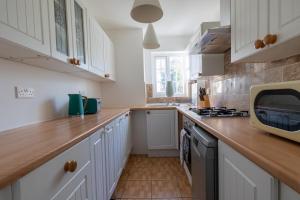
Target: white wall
172, 43
51, 89
129, 89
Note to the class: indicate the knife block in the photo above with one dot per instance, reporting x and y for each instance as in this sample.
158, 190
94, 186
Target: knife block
205, 103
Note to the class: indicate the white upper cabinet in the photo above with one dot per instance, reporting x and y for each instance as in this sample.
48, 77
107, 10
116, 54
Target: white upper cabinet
80, 33
264, 30
109, 58
68, 27
161, 131
285, 19
96, 35
25, 23
61, 29
206, 65
249, 22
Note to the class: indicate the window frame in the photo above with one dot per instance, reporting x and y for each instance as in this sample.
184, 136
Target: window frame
167, 55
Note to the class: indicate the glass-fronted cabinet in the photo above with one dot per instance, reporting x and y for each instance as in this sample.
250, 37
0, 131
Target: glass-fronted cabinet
79, 25
68, 27
60, 29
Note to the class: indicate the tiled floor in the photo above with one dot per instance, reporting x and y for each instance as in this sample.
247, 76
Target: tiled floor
153, 178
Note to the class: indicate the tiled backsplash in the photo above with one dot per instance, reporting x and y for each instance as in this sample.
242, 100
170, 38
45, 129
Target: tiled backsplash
232, 89
151, 99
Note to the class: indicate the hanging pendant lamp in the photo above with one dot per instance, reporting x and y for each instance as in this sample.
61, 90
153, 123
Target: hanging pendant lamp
146, 11
150, 39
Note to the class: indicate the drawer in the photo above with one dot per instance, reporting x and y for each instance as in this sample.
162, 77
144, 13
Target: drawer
48, 179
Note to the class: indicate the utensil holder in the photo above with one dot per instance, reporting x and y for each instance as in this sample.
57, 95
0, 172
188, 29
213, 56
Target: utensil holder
205, 103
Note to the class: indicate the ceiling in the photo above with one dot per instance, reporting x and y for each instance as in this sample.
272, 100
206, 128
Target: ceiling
181, 17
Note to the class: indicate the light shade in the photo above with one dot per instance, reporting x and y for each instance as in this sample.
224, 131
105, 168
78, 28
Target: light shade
146, 11
150, 39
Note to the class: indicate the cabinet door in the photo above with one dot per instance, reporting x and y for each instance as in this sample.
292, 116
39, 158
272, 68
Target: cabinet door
117, 147
97, 64
25, 22
110, 163
249, 22
98, 164
79, 31
109, 58
287, 193
6, 193
285, 19
239, 178
61, 29
161, 129
79, 188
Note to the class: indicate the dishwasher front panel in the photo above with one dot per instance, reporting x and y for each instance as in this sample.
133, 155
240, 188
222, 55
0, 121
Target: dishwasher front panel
204, 165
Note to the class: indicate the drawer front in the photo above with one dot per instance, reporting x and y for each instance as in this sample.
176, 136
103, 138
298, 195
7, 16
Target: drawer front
47, 180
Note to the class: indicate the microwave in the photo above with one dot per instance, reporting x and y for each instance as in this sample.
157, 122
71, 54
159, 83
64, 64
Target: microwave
275, 108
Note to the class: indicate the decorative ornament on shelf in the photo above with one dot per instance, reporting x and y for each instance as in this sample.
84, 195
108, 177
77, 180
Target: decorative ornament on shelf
170, 89
150, 39
146, 11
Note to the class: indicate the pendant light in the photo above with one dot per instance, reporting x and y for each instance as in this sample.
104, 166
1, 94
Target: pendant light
146, 11
150, 39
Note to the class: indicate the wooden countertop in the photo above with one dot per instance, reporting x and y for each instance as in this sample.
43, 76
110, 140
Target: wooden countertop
153, 107
278, 156
25, 149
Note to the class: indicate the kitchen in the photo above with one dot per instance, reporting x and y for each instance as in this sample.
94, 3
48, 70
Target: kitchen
150, 99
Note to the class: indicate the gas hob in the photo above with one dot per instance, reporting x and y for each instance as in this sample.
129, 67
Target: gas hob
219, 112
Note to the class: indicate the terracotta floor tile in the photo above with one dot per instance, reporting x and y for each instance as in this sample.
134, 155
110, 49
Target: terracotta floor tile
137, 189
185, 188
140, 174
165, 189
119, 189
163, 174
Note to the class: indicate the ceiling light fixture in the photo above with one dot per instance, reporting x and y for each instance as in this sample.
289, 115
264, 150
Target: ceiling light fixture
146, 11
150, 39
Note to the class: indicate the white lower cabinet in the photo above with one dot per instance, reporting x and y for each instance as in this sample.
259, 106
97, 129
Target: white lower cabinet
161, 131
51, 181
286, 193
98, 164
100, 160
6, 193
240, 179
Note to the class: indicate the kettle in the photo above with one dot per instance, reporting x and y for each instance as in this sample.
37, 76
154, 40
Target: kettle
77, 104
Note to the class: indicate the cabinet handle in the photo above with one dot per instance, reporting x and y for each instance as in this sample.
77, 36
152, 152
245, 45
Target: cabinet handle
106, 75
127, 114
77, 62
72, 61
259, 44
148, 112
270, 39
70, 166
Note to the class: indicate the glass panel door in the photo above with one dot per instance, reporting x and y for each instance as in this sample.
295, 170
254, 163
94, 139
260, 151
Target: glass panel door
61, 26
79, 33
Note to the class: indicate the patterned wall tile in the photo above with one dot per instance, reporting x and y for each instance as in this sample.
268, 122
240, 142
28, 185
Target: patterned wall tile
233, 88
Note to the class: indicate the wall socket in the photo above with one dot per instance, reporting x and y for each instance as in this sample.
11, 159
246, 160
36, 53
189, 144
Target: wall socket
24, 92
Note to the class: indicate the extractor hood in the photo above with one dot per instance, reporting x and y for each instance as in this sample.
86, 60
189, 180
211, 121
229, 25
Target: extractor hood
213, 41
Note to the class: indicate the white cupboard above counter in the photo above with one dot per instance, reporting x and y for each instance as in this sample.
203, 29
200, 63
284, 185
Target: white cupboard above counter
264, 30
58, 35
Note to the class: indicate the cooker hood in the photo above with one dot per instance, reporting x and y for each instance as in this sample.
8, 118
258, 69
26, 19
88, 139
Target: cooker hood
212, 41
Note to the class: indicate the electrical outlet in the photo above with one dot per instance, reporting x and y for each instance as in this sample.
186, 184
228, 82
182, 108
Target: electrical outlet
24, 92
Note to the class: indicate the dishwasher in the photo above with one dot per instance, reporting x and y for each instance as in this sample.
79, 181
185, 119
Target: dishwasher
204, 165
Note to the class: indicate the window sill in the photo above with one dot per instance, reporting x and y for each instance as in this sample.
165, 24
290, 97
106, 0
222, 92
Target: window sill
168, 100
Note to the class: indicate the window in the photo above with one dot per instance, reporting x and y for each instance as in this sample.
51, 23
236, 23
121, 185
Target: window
169, 67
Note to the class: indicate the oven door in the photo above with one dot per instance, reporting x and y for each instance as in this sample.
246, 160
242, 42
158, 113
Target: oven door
187, 150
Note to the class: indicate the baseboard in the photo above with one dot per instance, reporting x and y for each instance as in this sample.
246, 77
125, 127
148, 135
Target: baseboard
163, 153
